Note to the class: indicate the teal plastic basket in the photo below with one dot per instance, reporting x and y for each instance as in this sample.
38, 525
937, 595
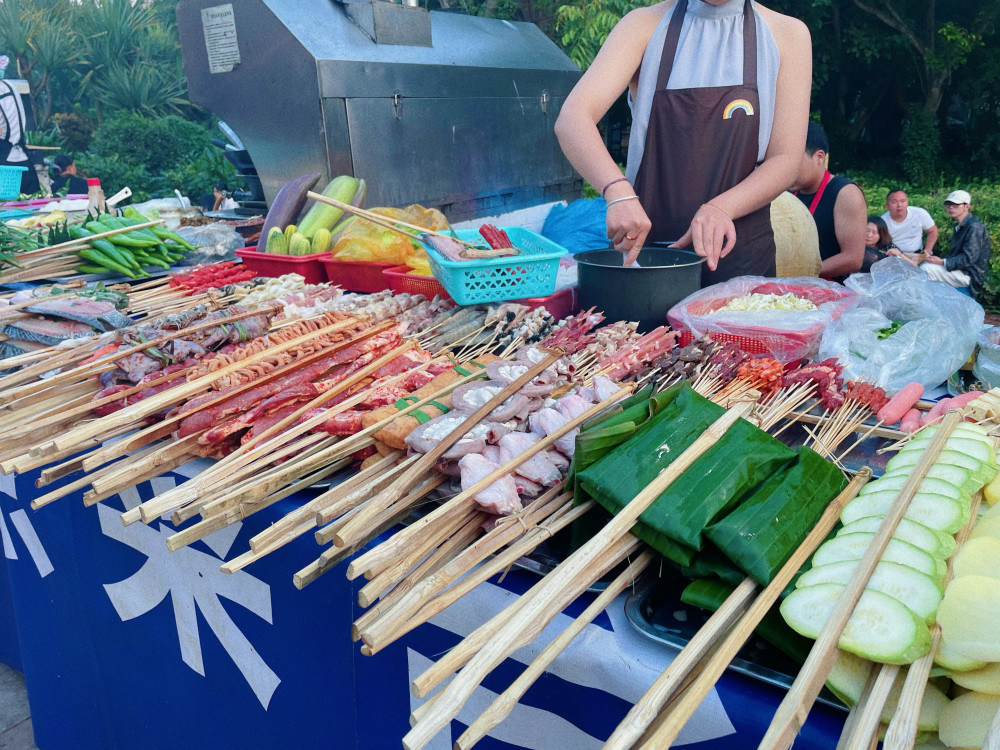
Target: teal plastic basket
530, 274
10, 182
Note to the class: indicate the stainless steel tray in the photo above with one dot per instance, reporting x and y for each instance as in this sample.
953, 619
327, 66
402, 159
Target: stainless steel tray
676, 623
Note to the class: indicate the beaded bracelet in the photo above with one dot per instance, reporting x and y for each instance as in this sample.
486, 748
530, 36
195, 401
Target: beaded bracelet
613, 182
626, 198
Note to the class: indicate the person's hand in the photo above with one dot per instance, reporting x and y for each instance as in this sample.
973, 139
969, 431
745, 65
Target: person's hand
934, 259
895, 252
628, 226
712, 232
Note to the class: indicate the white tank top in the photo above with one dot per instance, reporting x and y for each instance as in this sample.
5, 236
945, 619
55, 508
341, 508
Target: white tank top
706, 30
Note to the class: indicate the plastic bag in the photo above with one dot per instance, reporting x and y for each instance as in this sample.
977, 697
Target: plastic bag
786, 334
366, 242
937, 336
578, 226
214, 242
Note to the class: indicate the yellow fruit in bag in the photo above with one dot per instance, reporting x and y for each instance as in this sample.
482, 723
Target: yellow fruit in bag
364, 241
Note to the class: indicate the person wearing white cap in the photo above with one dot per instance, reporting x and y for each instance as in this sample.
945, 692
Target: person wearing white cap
968, 251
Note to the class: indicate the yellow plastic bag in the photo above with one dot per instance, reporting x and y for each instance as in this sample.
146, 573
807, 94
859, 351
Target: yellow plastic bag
364, 241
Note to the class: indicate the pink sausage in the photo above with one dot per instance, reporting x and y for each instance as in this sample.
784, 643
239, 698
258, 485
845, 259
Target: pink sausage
937, 411
897, 406
910, 421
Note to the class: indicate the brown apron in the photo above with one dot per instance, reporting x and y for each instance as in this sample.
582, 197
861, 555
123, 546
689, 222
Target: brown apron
699, 143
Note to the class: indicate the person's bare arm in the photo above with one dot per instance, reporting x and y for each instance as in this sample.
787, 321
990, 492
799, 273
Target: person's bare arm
850, 217
712, 224
932, 238
609, 75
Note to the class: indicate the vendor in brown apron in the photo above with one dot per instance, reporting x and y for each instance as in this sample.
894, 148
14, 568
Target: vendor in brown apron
696, 150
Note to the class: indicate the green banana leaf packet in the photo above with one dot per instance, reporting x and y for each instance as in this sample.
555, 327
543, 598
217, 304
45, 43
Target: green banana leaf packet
751, 495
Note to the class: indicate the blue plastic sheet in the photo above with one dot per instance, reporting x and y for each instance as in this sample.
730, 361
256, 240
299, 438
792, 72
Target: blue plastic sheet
578, 226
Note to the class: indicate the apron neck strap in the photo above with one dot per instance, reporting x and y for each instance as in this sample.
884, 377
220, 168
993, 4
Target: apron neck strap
819, 192
674, 34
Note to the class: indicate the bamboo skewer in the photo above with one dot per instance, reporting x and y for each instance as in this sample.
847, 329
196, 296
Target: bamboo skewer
458, 691
794, 708
902, 730
505, 703
863, 733
854, 715
467, 653
331, 557
403, 608
528, 541
384, 221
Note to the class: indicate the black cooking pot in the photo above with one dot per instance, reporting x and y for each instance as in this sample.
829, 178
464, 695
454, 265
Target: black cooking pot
644, 294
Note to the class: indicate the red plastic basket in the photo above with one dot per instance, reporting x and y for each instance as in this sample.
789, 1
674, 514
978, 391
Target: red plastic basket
400, 281
269, 264
560, 305
356, 276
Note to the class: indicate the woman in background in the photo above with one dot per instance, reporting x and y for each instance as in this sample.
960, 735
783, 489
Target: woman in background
878, 242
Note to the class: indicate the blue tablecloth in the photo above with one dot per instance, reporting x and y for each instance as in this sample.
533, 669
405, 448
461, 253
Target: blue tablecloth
126, 645
10, 647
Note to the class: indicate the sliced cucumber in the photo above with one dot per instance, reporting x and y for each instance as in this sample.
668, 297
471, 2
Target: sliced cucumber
931, 541
854, 547
880, 628
934, 511
928, 484
909, 587
909, 459
962, 430
956, 476
962, 443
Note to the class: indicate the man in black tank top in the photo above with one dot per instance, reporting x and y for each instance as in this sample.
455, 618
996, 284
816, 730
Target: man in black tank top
836, 204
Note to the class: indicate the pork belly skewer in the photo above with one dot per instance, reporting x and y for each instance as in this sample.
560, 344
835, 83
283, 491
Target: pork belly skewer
405, 483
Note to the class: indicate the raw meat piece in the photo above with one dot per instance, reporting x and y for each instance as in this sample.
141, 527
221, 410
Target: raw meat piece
501, 496
527, 488
557, 459
428, 435
492, 452
604, 388
471, 396
546, 421
572, 406
537, 468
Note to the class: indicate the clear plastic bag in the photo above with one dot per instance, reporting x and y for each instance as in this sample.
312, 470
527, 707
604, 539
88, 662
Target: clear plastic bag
214, 242
938, 332
786, 335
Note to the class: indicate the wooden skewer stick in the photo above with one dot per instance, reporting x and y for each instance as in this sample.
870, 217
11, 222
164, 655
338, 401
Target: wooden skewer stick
455, 695
372, 620
505, 703
862, 733
854, 715
794, 709
406, 482
333, 556
467, 651
505, 532
902, 731
354, 496
378, 558
383, 221
109, 361
159, 462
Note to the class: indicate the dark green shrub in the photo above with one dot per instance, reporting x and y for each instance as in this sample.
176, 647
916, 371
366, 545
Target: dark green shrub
921, 146
158, 144
75, 131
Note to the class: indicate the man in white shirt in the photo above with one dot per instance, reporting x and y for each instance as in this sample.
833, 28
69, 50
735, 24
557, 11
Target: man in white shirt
907, 224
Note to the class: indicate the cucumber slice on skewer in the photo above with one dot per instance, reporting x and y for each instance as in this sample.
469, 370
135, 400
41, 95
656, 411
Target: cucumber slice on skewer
880, 628
931, 541
909, 587
931, 510
929, 484
854, 547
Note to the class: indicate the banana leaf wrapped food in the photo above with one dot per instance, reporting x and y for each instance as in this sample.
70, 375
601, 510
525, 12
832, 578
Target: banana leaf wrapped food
758, 497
